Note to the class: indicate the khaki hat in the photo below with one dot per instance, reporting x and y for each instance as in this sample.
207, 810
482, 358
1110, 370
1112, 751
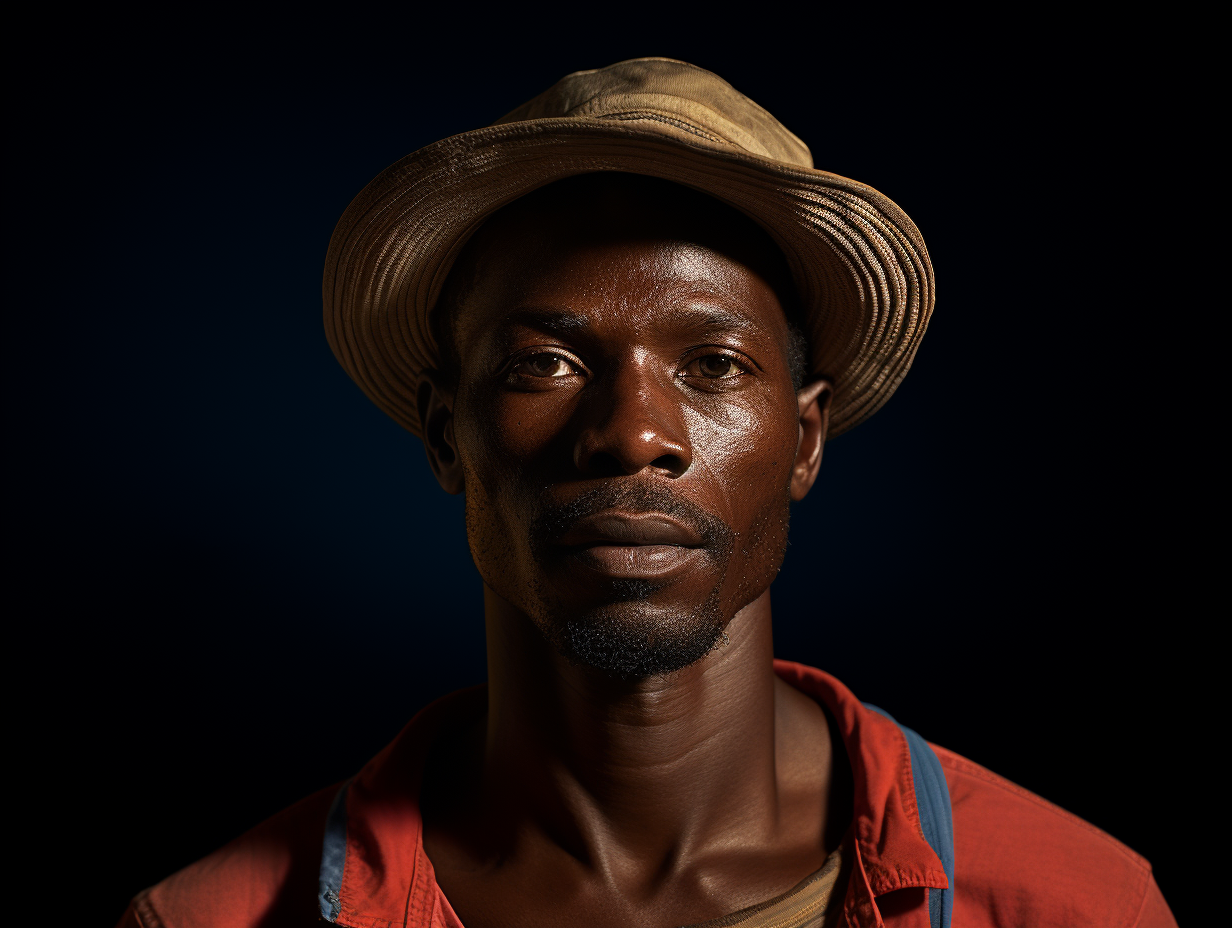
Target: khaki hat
859, 263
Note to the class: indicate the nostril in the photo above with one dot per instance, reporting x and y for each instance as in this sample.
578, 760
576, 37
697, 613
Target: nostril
603, 464
671, 463
606, 464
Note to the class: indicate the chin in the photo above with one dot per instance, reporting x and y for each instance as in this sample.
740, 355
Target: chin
636, 639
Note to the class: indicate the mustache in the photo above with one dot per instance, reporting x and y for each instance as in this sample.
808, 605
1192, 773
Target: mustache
556, 519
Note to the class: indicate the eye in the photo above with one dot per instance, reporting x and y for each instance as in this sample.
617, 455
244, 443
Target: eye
544, 364
715, 367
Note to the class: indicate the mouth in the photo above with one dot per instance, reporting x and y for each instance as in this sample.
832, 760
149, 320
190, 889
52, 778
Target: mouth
630, 530
632, 546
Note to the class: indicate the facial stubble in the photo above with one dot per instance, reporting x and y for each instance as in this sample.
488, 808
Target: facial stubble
625, 632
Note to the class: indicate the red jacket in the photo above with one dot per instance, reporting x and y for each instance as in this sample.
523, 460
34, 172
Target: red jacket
1019, 860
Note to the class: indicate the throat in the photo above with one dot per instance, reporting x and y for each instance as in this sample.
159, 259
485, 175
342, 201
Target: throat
655, 770
704, 791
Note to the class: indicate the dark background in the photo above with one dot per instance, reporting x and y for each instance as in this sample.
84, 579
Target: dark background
237, 579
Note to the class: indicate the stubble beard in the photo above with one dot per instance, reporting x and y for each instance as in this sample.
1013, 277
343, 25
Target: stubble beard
630, 636
635, 638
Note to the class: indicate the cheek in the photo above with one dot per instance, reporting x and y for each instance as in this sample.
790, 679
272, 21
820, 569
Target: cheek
497, 538
490, 475
499, 439
746, 459
510, 429
747, 453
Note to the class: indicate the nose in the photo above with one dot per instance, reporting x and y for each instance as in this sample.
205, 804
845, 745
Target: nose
632, 423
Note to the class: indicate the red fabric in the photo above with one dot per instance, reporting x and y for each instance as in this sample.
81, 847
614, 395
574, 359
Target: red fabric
1018, 859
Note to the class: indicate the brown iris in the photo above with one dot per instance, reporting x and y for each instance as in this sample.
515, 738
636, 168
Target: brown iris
715, 365
545, 365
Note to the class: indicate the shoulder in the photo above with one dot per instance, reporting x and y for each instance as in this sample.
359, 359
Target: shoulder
266, 876
1020, 860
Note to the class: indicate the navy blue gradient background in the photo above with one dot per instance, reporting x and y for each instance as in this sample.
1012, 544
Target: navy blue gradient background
238, 579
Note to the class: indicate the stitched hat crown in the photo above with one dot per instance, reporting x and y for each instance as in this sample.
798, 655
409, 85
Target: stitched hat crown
674, 94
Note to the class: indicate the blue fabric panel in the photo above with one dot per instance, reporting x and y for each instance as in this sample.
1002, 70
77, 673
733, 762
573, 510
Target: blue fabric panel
932, 798
333, 856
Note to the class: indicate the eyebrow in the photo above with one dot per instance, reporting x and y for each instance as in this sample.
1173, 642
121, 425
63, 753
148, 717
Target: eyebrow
716, 320
563, 322
547, 319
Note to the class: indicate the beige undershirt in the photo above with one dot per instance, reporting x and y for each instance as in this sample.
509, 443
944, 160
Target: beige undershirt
803, 906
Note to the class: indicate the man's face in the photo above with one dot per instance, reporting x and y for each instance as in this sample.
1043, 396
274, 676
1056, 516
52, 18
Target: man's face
626, 425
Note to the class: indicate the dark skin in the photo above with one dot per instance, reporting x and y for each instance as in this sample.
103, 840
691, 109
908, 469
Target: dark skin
612, 348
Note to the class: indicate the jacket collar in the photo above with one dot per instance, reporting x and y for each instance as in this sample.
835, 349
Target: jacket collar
375, 873
891, 852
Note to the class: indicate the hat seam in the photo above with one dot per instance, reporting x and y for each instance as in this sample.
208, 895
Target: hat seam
671, 121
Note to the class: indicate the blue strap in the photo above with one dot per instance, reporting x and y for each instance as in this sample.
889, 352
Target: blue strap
333, 856
932, 798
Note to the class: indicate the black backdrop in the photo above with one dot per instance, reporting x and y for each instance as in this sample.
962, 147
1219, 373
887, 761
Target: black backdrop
239, 579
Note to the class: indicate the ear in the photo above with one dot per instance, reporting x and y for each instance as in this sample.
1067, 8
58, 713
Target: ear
814, 399
435, 404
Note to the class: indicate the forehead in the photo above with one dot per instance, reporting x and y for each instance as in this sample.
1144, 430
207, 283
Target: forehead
619, 248
640, 287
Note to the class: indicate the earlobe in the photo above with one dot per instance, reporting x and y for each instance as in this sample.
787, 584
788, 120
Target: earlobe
435, 405
814, 406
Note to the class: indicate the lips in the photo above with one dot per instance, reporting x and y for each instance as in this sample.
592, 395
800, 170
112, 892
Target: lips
614, 529
644, 546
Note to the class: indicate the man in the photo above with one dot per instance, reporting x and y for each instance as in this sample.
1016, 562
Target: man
624, 320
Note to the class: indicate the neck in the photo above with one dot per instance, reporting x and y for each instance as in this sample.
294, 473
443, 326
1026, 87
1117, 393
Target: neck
649, 770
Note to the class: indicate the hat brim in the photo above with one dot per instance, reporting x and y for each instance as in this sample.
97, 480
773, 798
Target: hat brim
860, 264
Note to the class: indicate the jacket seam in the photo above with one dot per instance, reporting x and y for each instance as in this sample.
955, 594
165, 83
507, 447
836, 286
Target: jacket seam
909, 796
1142, 905
970, 768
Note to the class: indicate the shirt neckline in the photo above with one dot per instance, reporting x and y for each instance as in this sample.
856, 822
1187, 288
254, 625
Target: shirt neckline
375, 873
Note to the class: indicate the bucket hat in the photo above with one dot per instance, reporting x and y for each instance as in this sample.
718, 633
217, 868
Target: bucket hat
859, 263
